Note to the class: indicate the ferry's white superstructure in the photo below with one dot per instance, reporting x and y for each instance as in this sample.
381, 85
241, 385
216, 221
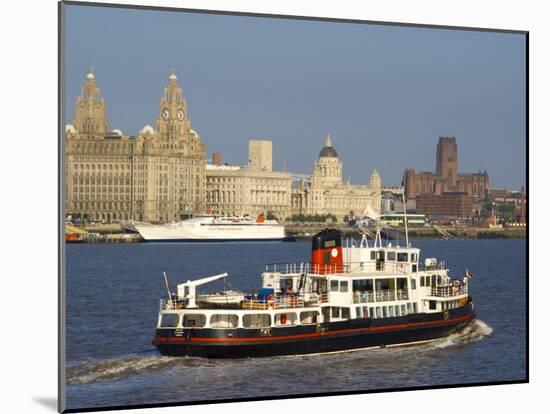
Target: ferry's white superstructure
352, 295
212, 228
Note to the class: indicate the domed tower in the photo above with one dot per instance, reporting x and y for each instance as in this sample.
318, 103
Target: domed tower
375, 180
328, 168
328, 150
90, 121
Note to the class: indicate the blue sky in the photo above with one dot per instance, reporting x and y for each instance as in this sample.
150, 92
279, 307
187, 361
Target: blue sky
384, 93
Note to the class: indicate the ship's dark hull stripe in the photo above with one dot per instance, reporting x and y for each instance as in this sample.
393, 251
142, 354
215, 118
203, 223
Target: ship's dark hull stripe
326, 333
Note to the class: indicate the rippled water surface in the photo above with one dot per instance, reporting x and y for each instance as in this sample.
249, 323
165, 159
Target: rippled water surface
112, 305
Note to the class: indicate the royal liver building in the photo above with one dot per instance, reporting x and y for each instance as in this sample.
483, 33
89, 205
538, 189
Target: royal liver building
158, 175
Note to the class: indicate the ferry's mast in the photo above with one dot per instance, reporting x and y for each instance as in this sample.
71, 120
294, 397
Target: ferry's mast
405, 217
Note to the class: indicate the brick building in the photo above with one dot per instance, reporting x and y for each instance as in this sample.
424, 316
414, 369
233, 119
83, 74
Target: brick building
446, 177
450, 205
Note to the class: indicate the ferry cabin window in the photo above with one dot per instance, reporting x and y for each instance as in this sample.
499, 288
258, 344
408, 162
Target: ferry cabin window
288, 285
335, 312
345, 313
401, 283
427, 280
363, 285
343, 286
413, 283
402, 257
257, 320
334, 286
224, 321
358, 313
194, 320
309, 317
421, 280
169, 320
385, 311
403, 309
391, 256
390, 311
415, 307
378, 312
326, 313
414, 257
366, 312
373, 255
288, 318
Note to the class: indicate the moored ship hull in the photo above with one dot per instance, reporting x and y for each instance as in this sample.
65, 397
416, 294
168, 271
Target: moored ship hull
312, 339
206, 229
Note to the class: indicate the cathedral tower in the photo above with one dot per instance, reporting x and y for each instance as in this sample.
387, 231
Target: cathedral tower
447, 163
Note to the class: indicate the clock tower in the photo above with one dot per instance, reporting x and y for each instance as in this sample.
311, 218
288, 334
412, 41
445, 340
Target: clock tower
90, 121
173, 121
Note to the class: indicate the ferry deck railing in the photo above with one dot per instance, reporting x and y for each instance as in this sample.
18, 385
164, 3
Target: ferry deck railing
286, 301
380, 295
277, 301
455, 288
316, 268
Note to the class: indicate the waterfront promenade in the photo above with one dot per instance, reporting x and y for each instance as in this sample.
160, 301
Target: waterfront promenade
116, 233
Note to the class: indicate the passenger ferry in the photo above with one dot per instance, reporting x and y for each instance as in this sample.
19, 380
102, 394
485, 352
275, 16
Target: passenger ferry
353, 294
213, 229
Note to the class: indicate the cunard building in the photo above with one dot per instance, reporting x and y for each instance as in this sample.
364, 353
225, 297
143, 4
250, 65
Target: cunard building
157, 175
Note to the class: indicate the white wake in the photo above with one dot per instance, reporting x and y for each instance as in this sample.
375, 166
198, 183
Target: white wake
114, 368
473, 332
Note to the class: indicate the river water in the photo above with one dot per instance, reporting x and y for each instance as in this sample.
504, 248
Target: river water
113, 293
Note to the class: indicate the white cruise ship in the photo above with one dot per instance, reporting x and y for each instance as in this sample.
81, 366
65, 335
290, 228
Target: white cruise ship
212, 228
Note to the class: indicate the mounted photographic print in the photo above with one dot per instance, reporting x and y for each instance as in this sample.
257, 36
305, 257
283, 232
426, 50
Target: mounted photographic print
258, 206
